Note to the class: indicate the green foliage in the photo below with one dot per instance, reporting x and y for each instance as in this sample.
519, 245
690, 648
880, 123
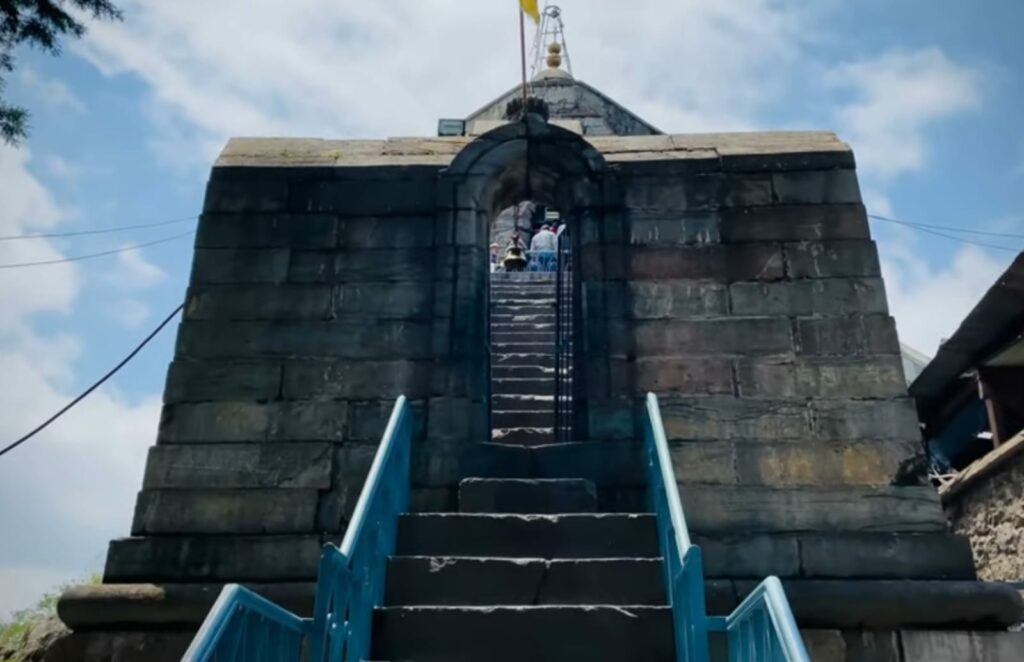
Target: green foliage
39, 24
14, 631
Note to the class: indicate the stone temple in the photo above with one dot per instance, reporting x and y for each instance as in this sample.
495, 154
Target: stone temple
731, 274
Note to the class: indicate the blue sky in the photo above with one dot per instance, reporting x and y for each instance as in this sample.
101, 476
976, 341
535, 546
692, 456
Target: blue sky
126, 124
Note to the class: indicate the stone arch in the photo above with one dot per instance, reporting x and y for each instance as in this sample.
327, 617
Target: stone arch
527, 160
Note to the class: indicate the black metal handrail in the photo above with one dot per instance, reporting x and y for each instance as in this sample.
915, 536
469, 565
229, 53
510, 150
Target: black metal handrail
564, 414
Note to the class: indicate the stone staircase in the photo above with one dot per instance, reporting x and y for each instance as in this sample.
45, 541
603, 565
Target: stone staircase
527, 569
522, 357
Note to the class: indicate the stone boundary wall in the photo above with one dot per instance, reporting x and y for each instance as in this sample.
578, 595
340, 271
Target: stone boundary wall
990, 512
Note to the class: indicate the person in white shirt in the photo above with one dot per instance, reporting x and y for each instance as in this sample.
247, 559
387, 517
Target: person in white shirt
544, 240
542, 250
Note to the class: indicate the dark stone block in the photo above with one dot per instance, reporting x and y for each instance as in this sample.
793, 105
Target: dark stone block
196, 381
673, 229
846, 420
794, 223
255, 194
812, 259
370, 197
259, 302
266, 230
816, 187
360, 266
225, 511
223, 266
738, 337
359, 380
213, 558
724, 418
337, 340
847, 336
239, 466
723, 510
386, 232
826, 296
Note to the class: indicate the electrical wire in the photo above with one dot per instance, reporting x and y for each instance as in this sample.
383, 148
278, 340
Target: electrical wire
89, 256
80, 233
95, 386
948, 228
926, 228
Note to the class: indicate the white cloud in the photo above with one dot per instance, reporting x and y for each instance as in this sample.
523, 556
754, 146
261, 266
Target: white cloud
71, 488
134, 271
27, 208
930, 302
53, 93
130, 313
895, 98
322, 68
61, 168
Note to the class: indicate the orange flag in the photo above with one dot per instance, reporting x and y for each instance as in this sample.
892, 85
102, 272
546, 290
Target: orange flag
530, 9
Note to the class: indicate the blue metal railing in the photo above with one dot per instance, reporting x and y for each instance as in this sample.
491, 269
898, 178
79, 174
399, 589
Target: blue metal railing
761, 629
243, 626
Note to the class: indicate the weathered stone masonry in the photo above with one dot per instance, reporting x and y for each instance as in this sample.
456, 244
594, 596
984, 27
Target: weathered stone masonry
734, 275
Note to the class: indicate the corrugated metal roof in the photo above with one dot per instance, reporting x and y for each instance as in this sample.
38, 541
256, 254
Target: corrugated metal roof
996, 321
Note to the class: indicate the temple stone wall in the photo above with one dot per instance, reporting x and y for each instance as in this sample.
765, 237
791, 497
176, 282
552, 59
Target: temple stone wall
751, 301
732, 275
317, 296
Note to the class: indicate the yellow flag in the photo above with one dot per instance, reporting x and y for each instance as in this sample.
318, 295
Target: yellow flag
530, 9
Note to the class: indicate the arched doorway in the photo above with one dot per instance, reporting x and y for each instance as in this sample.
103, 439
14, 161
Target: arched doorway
524, 164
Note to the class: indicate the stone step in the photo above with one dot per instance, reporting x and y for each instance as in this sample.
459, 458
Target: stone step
539, 634
499, 291
521, 419
518, 495
521, 372
523, 386
512, 302
525, 336
522, 277
517, 402
523, 318
497, 327
523, 436
498, 311
454, 581
520, 359
528, 536
523, 348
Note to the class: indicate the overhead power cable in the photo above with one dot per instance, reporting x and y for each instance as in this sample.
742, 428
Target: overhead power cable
89, 256
81, 233
947, 228
104, 378
928, 229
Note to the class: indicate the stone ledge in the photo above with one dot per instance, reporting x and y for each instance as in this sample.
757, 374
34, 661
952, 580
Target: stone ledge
146, 606
885, 605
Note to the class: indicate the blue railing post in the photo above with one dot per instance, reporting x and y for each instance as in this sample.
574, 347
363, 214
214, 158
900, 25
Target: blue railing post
761, 629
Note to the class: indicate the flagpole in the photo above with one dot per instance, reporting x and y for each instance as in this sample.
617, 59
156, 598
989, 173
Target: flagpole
522, 54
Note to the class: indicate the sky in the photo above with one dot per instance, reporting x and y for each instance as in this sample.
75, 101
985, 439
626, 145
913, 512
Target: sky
127, 122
